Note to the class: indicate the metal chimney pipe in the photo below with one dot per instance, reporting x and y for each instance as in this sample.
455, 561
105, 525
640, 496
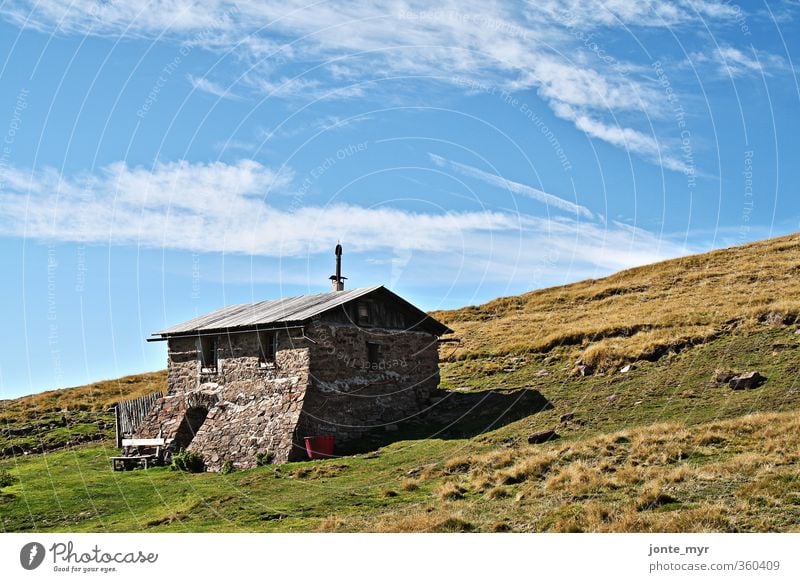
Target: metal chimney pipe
338, 253
337, 281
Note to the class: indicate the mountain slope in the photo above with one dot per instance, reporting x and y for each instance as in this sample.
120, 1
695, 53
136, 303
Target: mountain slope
640, 313
56, 418
664, 445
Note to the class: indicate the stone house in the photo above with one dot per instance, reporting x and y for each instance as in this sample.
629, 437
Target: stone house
259, 377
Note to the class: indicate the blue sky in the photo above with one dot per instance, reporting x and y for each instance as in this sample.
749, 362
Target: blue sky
161, 160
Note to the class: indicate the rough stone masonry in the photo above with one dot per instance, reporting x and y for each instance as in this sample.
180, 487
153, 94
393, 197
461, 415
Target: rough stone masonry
343, 363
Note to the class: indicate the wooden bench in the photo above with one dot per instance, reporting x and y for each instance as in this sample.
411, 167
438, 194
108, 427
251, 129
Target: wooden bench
140, 457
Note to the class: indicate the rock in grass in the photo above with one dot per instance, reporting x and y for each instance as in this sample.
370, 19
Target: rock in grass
723, 376
747, 381
566, 417
545, 436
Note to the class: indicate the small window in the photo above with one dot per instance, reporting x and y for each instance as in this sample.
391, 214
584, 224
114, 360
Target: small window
363, 313
208, 354
267, 347
373, 353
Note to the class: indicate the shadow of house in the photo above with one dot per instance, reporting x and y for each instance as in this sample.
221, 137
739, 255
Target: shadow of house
455, 415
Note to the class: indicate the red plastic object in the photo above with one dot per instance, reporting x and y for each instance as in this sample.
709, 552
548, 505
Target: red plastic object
320, 447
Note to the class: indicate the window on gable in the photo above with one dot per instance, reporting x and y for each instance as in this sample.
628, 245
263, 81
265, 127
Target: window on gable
267, 348
207, 348
363, 313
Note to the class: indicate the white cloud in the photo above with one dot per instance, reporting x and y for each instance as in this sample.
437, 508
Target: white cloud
506, 44
217, 17
215, 207
207, 86
632, 140
218, 207
324, 124
150, 19
606, 247
588, 14
730, 62
515, 187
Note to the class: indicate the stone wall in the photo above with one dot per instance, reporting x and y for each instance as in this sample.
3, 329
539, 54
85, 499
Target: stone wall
350, 397
259, 406
321, 383
183, 366
251, 408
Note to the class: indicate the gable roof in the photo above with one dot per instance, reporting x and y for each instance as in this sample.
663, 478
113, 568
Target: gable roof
291, 310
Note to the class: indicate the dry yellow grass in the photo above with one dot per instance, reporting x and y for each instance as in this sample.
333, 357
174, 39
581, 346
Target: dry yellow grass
535, 467
640, 313
415, 519
741, 474
98, 396
449, 491
498, 492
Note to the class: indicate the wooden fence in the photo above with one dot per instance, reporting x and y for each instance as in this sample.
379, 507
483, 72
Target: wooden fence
129, 414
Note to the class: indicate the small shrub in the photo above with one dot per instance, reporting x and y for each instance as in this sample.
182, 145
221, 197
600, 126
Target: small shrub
300, 473
263, 459
497, 493
457, 465
481, 482
6, 478
331, 523
187, 461
227, 468
536, 467
711, 439
652, 497
450, 492
409, 485
453, 525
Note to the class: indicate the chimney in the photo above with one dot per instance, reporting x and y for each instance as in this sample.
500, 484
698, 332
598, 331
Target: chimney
337, 281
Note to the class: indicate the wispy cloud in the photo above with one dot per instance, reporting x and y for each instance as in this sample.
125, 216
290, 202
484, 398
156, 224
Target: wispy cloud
226, 208
324, 124
627, 138
730, 62
591, 14
551, 200
215, 207
207, 86
286, 129
327, 50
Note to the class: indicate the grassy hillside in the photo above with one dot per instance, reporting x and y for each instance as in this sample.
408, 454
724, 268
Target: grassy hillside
661, 446
741, 474
641, 313
734, 475
56, 418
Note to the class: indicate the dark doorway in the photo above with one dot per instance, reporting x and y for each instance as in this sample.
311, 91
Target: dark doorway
191, 423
